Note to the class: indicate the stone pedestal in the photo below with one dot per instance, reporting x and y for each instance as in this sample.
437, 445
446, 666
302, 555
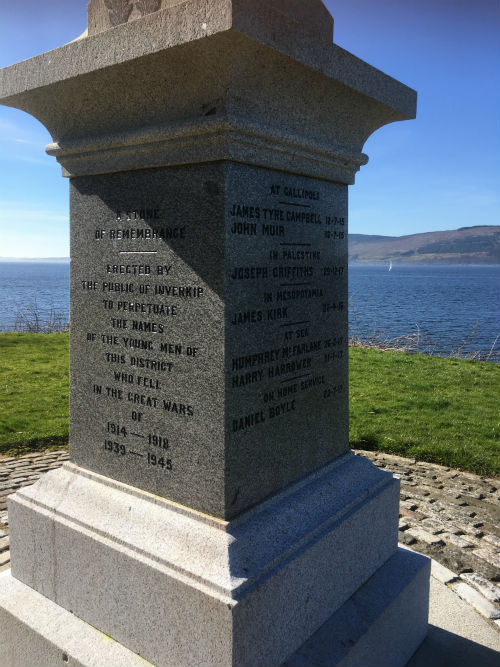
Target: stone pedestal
212, 513
279, 583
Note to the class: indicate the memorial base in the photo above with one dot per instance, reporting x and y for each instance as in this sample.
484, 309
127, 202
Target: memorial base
382, 624
313, 573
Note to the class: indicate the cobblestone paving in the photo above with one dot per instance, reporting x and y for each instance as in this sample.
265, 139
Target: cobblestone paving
449, 515
453, 517
18, 472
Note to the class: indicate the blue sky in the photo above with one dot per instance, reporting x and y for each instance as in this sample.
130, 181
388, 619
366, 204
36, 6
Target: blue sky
440, 171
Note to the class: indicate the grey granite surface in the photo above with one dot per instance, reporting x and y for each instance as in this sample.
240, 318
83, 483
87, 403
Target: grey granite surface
197, 19
209, 330
211, 514
179, 587
312, 16
198, 71
437, 496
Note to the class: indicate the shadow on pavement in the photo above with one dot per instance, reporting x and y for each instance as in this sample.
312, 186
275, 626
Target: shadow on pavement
445, 649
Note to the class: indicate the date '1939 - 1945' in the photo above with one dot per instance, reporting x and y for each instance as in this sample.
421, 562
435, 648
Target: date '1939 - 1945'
152, 459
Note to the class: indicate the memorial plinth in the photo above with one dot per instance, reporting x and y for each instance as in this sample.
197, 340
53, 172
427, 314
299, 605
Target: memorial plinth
212, 513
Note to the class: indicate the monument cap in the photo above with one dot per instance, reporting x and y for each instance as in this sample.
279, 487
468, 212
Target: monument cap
310, 16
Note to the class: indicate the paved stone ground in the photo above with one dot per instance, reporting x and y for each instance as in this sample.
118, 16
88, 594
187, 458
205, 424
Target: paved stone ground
449, 515
453, 517
18, 472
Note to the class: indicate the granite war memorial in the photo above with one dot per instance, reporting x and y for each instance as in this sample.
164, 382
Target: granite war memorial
212, 512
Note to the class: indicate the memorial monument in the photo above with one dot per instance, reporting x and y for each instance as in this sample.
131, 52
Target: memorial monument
212, 513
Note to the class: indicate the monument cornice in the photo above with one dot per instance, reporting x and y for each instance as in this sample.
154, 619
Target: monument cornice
125, 99
205, 141
174, 27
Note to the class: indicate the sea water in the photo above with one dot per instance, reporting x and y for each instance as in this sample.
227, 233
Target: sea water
449, 309
31, 290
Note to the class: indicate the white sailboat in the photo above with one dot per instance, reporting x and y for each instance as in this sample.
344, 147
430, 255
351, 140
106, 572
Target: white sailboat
390, 265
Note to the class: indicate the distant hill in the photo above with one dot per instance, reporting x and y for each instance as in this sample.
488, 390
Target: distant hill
467, 245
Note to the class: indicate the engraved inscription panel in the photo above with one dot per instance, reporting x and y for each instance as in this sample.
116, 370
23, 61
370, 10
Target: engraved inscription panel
147, 341
286, 328
209, 330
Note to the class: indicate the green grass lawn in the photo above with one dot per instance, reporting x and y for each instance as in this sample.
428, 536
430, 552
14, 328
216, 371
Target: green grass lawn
440, 410
34, 391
